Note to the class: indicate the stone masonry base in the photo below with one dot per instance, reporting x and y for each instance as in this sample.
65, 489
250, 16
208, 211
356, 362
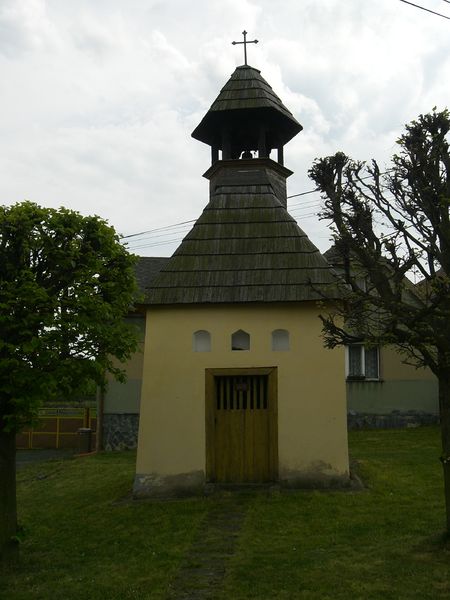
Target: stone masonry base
120, 431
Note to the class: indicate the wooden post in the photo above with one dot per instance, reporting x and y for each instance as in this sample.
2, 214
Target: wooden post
214, 154
226, 144
262, 148
100, 409
57, 429
281, 155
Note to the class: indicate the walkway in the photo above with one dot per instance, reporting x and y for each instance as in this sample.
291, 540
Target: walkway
201, 574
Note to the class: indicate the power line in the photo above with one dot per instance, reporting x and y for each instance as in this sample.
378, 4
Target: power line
123, 237
367, 176
427, 9
305, 216
303, 204
138, 243
303, 193
299, 208
154, 244
168, 229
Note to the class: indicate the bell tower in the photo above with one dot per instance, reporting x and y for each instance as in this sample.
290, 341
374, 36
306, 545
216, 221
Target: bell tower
247, 119
245, 123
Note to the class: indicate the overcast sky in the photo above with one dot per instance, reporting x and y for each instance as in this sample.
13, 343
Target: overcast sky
99, 97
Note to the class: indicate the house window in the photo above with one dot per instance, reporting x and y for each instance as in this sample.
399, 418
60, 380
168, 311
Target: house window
201, 341
362, 362
280, 340
240, 340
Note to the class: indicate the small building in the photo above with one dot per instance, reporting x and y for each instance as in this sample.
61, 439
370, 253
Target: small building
120, 404
237, 387
384, 391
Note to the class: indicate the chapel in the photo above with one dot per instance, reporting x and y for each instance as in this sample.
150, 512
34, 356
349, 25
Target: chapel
237, 387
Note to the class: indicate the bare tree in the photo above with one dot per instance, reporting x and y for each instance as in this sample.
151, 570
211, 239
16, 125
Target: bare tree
388, 226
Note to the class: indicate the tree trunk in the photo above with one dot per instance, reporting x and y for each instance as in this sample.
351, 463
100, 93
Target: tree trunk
100, 409
444, 410
8, 504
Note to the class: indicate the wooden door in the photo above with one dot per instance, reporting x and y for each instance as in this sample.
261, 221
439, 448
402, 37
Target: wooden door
241, 425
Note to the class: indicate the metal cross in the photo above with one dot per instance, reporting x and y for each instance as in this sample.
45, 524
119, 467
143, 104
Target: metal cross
244, 33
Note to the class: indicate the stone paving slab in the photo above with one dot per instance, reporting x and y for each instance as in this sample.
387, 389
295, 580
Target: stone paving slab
204, 567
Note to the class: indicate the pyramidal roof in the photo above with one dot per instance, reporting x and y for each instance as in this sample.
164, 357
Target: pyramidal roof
247, 90
245, 247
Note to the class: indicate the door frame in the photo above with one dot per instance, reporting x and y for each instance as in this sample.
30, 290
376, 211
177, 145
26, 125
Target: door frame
210, 374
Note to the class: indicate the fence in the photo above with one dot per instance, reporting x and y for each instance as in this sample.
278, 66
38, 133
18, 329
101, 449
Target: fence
58, 428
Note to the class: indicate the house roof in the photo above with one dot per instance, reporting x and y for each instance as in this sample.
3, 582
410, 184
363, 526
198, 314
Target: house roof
246, 91
146, 269
336, 259
333, 256
245, 247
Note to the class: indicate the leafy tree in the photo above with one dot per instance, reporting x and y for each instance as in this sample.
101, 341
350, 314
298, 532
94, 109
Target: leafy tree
66, 283
388, 226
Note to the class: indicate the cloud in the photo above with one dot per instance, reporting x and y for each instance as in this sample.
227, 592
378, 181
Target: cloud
97, 38
24, 27
99, 98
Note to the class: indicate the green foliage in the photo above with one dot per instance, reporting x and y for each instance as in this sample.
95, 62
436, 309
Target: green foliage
66, 285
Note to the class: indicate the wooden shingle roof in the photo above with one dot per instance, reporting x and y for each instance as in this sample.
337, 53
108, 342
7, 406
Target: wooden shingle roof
146, 269
246, 88
246, 91
245, 247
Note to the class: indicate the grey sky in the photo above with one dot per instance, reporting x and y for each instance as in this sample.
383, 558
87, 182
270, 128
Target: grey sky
98, 98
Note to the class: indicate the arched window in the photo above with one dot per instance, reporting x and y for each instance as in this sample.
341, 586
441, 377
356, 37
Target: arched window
280, 339
201, 341
240, 340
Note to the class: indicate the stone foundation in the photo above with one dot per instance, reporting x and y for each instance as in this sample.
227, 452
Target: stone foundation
393, 420
120, 431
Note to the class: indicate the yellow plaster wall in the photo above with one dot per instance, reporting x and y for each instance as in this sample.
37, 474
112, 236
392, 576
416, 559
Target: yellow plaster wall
125, 397
393, 368
133, 366
312, 432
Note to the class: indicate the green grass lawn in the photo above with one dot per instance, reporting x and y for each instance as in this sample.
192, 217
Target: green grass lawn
83, 541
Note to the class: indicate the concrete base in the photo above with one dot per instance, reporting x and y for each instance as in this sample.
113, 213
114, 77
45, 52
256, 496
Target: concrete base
193, 484
314, 479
